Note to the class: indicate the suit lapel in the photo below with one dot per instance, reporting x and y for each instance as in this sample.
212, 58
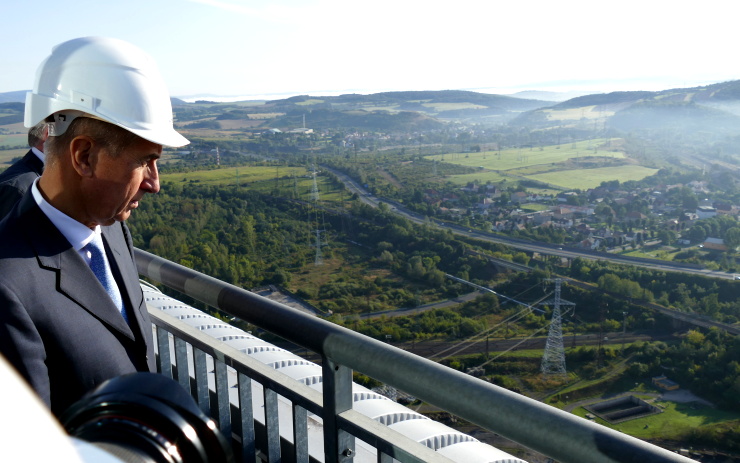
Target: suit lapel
123, 266
75, 279
78, 282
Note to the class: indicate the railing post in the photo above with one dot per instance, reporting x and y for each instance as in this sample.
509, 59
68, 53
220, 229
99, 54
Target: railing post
339, 445
164, 363
246, 416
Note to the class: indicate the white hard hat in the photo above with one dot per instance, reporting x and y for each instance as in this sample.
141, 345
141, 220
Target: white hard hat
107, 79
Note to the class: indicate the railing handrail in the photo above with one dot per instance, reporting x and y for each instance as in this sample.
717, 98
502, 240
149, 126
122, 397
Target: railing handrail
540, 427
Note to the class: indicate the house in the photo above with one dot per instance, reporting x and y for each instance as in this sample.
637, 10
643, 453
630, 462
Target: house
715, 244
664, 383
588, 243
518, 197
634, 216
302, 130
705, 212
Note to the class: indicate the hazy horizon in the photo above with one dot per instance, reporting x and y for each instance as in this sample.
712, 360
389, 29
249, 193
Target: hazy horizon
238, 48
565, 88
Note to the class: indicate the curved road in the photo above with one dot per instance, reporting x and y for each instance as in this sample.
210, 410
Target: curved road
542, 248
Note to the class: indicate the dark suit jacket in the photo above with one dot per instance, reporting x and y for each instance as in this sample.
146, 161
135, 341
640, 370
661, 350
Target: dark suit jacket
58, 326
17, 179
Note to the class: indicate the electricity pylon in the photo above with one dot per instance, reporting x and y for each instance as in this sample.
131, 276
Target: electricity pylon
553, 360
318, 258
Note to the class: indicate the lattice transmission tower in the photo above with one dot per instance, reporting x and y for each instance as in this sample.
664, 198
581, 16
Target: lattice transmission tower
553, 360
318, 258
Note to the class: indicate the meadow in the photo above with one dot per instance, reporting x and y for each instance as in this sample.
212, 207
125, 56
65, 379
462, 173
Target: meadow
17, 140
676, 421
516, 158
232, 175
290, 181
585, 164
590, 178
577, 114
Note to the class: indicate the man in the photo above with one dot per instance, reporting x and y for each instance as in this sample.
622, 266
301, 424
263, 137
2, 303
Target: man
72, 313
17, 179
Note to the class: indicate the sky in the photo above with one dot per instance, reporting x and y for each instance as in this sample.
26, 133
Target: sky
279, 48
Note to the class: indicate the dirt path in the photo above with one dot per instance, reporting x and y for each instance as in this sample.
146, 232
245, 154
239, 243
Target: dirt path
391, 179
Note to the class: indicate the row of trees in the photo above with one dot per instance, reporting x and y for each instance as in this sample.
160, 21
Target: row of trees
713, 297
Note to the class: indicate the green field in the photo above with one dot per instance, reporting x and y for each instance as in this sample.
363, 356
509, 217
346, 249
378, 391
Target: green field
676, 420
481, 177
554, 165
14, 140
452, 106
577, 114
590, 178
290, 181
522, 157
7, 156
230, 175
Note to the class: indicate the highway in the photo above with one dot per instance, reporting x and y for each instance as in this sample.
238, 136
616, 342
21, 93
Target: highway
523, 245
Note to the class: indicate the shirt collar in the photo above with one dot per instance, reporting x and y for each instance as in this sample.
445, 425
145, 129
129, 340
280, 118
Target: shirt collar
76, 233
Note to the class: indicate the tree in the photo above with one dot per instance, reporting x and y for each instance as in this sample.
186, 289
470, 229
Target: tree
695, 337
732, 238
668, 237
696, 234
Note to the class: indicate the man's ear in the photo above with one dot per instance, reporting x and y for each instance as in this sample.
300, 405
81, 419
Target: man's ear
82, 150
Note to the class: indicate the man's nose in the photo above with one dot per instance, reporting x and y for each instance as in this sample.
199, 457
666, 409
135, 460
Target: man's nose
151, 181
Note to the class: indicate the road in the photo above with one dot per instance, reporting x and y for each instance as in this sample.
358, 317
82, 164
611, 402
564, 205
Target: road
542, 248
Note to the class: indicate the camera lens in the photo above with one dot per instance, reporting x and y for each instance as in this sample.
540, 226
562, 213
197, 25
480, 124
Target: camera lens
146, 418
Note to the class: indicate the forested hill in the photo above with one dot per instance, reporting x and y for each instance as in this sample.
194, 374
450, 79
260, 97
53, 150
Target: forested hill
421, 98
714, 108
374, 120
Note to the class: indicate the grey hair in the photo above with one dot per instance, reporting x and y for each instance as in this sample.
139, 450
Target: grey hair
37, 134
113, 138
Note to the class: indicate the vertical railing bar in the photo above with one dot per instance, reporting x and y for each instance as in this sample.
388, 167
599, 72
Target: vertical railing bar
201, 395
164, 361
337, 391
300, 433
246, 414
272, 424
384, 457
181, 360
223, 408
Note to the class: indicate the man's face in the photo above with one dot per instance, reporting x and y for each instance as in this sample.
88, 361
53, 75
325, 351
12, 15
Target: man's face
120, 182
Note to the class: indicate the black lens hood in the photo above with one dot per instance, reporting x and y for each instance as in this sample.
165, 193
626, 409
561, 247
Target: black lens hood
150, 415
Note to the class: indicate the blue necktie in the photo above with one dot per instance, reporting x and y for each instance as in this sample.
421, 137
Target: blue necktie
101, 269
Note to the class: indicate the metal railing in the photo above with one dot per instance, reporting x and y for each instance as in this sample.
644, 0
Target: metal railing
547, 430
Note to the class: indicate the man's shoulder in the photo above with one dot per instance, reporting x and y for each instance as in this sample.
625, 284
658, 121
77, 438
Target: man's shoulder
17, 180
17, 228
22, 173
28, 165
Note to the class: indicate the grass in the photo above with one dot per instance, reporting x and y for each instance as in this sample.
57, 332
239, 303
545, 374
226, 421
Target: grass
310, 101
482, 177
290, 180
229, 175
676, 420
451, 106
590, 178
7, 156
545, 164
668, 254
534, 207
576, 114
517, 158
